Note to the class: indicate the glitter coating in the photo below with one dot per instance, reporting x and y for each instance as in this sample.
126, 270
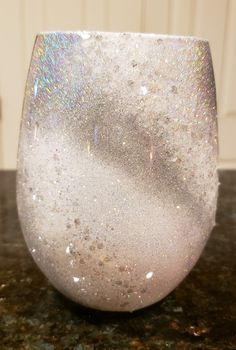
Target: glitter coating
117, 181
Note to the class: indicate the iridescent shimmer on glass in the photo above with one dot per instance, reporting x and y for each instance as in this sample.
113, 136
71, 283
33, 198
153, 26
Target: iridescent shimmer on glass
117, 181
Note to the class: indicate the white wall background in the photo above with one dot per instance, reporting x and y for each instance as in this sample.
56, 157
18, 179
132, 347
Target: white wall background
20, 20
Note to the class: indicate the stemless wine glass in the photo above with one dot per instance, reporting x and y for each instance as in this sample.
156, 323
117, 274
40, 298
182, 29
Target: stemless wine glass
117, 181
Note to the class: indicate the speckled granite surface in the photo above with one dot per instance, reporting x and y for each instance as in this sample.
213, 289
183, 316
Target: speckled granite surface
199, 314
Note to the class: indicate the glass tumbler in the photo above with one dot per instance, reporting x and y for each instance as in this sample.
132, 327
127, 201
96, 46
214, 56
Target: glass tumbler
117, 180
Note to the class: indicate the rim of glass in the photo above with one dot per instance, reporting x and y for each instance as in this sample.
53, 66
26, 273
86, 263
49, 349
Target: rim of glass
83, 33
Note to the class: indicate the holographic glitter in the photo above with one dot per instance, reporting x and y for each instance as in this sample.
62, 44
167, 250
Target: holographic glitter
117, 163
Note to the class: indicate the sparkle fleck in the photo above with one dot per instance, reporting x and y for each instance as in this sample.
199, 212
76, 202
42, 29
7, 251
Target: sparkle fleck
36, 130
149, 275
198, 51
84, 35
76, 279
36, 87
143, 90
151, 155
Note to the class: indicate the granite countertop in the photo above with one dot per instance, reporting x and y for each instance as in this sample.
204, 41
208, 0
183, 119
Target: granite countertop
199, 314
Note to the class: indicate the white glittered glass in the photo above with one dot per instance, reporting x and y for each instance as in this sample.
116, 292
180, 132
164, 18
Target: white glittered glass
117, 180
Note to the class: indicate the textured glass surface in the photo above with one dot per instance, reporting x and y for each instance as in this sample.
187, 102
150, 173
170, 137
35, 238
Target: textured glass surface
117, 180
